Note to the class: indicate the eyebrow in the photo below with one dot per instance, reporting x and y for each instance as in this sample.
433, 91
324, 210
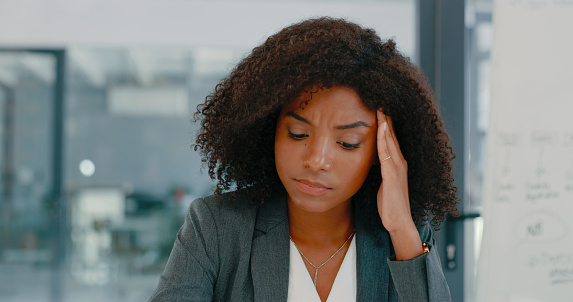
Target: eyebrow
353, 125
343, 127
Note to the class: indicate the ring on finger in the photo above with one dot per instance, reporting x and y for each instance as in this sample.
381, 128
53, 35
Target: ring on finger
387, 158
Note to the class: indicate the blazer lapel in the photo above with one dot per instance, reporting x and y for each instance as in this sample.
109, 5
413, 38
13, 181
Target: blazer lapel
372, 272
270, 251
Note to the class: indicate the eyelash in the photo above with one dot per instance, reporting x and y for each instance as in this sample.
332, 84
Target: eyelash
297, 136
349, 146
344, 145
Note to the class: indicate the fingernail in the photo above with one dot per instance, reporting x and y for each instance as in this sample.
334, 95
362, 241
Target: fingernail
385, 126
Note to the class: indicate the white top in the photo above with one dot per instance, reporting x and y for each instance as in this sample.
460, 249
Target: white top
301, 287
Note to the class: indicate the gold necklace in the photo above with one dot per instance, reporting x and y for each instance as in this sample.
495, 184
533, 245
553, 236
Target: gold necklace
317, 267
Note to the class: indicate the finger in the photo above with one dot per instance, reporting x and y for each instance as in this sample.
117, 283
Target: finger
381, 136
384, 140
391, 127
395, 146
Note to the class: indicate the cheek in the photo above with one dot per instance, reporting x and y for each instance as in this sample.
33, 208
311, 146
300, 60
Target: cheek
358, 166
284, 155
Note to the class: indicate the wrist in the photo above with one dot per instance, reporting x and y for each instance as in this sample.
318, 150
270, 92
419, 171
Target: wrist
407, 243
407, 228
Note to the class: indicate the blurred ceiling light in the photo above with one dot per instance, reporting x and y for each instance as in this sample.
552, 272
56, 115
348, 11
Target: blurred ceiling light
87, 167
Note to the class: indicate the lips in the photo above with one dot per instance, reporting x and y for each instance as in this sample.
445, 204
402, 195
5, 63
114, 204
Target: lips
310, 187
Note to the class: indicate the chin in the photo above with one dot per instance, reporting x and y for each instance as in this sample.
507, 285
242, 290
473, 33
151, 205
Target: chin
315, 205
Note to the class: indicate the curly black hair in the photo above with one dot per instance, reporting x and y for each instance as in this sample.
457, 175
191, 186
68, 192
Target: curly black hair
239, 118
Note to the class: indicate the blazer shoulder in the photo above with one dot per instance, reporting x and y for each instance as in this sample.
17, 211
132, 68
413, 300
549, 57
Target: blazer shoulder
224, 204
225, 215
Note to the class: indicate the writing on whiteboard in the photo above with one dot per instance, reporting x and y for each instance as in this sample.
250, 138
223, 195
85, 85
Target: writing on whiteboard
558, 267
540, 227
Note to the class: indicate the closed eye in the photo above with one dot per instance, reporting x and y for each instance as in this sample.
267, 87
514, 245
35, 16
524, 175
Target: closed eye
297, 136
349, 146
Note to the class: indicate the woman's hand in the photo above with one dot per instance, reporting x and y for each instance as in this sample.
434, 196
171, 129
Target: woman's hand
392, 199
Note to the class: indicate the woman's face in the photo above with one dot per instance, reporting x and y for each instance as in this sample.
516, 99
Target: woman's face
324, 148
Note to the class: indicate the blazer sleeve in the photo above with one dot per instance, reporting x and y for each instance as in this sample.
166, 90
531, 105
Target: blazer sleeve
190, 273
420, 278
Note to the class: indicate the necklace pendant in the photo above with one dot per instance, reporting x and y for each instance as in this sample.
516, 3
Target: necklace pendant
315, 275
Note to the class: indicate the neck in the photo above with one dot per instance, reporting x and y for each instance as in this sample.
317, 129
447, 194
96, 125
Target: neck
331, 227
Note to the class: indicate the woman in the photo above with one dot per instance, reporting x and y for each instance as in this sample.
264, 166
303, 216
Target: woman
337, 156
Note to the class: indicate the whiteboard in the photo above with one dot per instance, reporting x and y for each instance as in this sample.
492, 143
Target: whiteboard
527, 246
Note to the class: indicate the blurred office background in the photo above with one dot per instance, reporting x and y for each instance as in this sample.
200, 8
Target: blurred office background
96, 102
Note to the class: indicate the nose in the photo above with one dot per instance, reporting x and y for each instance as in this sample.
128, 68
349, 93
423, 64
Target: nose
317, 157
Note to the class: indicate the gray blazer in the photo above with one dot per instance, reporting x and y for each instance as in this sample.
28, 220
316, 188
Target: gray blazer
232, 251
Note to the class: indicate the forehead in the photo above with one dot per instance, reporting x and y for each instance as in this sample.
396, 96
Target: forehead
339, 100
